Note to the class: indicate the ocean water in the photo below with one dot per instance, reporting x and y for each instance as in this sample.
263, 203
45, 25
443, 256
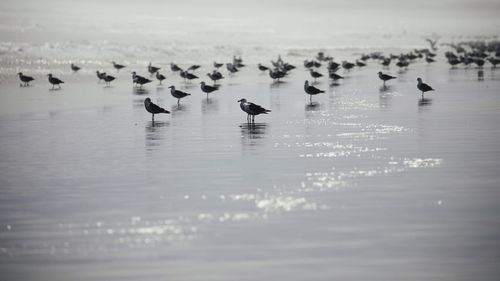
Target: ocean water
366, 183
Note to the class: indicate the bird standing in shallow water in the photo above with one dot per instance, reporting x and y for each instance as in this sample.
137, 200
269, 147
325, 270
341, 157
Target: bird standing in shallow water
153, 69
252, 109
54, 81
108, 79
311, 90
117, 66
74, 67
25, 79
315, 74
137, 79
385, 77
160, 77
208, 89
423, 87
153, 108
178, 94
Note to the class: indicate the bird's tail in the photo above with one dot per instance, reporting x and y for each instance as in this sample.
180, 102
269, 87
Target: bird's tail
267, 111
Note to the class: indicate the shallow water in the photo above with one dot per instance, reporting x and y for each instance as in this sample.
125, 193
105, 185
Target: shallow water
366, 183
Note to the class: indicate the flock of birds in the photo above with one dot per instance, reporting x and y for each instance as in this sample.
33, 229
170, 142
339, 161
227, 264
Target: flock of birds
463, 53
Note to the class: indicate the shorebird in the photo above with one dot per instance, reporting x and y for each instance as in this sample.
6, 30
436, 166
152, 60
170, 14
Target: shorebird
494, 61
347, 65
423, 87
252, 109
386, 61
218, 65
360, 63
74, 67
100, 75
178, 94
311, 90
276, 74
193, 67
137, 79
231, 68
385, 77
160, 77
174, 67
208, 89
153, 108
215, 75
108, 79
153, 69
54, 81
315, 74
187, 75
334, 76
428, 59
117, 66
25, 79
262, 68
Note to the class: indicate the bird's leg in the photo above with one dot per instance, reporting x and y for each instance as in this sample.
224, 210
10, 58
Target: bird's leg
422, 95
153, 118
253, 118
178, 102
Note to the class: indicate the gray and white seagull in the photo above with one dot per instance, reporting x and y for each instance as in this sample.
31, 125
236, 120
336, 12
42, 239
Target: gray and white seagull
311, 90
252, 109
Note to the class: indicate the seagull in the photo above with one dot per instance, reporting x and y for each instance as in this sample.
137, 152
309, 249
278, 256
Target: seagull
108, 78
215, 75
74, 67
194, 67
152, 69
208, 89
315, 74
153, 108
335, 76
54, 81
187, 75
25, 79
262, 68
174, 67
139, 79
360, 63
423, 87
311, 90
252, 109
347, 65
385, 77
178, 94
160, 77
117, 66
100, 75
231, 67
276, 74
428, 59
218, 65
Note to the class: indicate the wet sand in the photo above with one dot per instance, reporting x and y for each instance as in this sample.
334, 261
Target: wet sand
366, 183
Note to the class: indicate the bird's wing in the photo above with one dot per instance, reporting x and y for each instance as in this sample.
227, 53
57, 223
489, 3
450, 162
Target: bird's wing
256, 108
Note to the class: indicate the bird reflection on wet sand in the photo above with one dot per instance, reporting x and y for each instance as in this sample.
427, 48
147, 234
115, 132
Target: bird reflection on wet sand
424, 102
154, 132
252, 133
140, 91
209, 105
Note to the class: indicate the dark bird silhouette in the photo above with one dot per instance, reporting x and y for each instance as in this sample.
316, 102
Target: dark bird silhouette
215, 75
178, 94
108, 79
334, 76
262, 68
360, 63
347, 65
54, 81
315, 74
193, 67
25, 79
117, 66
428, 59
153, 69
160, 77
207, 88
311, 90
187, 75
174, 67
74, 67
218, 65
252, 109
137, 79
153, 108
385, 77
423, 87
100, 75
276, 74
